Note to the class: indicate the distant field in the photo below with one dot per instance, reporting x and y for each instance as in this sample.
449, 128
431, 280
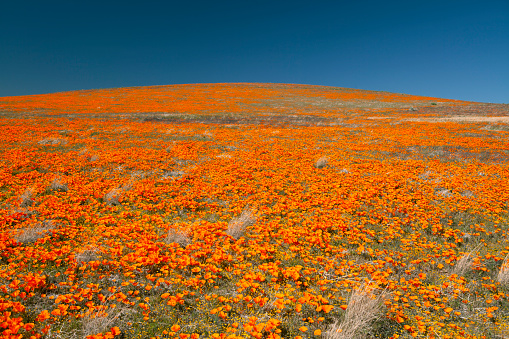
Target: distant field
252, 211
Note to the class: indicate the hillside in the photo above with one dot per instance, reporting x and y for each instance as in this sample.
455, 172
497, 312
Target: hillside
252, 210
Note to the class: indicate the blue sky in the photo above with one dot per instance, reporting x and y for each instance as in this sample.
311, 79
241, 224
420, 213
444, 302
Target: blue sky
449, 49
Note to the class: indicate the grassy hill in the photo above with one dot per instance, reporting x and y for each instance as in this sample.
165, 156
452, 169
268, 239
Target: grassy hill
252, 210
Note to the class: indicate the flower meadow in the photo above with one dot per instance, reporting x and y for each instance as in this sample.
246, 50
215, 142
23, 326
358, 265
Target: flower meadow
252, 211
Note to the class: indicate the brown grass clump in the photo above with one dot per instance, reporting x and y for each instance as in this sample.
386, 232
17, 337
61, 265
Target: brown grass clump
87, 255
363, 308
58, 186
32, 234
52, 141
503, 274
179, 237
322, 162
99, 321
27, 198
463, 265
237, 225
111, 198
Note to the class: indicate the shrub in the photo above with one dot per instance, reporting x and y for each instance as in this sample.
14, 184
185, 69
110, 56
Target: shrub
464, 264
52, 141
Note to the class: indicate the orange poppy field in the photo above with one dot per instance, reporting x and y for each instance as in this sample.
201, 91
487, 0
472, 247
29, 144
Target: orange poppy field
252, 211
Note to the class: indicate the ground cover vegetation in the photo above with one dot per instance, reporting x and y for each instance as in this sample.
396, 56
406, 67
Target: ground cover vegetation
252, 210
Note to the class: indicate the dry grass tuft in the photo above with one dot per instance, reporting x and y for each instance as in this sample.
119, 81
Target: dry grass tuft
32, 234
52, 141
179, 237
503, 274
112, 197
322, 162
363, 308
170, 148
91, 254
58, 186
132, 180
463, 265
237, 225
99, 321
27, 198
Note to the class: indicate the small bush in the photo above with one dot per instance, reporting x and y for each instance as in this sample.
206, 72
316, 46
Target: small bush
91, 254
52, 141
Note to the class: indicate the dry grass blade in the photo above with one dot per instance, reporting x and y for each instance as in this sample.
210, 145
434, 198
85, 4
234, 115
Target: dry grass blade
503, 274
237, 225
363, 308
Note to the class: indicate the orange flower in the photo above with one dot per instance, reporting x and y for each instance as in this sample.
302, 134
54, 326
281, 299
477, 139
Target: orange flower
43, 315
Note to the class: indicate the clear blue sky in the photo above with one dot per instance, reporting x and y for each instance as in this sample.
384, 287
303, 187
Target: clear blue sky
449, 49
